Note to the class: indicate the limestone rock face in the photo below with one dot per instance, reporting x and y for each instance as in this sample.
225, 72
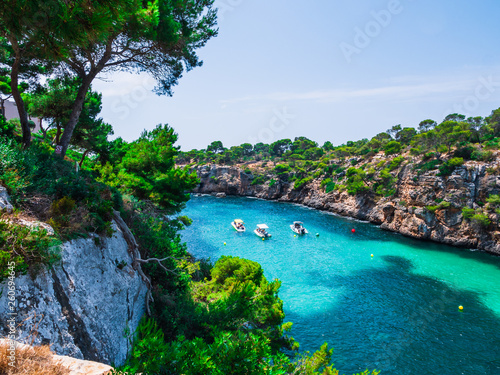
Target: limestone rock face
405, 212
4, 201
86, 306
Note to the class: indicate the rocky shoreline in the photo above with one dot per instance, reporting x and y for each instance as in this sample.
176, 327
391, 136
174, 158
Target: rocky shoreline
406, 212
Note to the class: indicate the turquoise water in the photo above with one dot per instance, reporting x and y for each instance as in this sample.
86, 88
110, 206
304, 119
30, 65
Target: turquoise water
396, 311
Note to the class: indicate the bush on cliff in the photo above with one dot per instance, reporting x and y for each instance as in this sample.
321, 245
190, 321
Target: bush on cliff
37, 172
25, 247
448, 167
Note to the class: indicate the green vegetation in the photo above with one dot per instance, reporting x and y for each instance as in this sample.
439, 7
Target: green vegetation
25, 247
234, 327
328, 185
81, 40
448, 167
393, 147
355, 165
440, 206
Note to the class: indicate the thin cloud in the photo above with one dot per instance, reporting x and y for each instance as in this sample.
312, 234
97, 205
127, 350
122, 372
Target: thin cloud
419, 88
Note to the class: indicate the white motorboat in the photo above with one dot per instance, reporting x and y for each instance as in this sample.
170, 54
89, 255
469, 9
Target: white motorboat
298, 227
261, 231
238, 225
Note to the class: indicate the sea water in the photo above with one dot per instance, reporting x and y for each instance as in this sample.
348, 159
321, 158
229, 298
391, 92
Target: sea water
396, 311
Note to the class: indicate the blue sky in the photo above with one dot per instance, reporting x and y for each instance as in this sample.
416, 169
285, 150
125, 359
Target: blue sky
333, 70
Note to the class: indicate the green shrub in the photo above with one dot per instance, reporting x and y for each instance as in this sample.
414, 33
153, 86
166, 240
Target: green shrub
464, 152
442, 205
7, 128
447, 168
392, 147
493, 200
386, 185
26, 247
427, 166
483, 155
481, 219
37, 171
258, 180
356, 181
187, 221
429, 155
272, 182
414, 151
324, 182
468, 213
396, 162
232, 270
299, 184
328, 185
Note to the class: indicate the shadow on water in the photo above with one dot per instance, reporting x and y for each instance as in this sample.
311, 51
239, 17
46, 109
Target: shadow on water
368, 232
402, 323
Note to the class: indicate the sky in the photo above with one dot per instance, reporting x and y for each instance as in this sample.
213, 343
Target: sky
334, 70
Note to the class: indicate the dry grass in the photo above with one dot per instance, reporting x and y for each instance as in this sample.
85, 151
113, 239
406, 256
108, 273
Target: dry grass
30, 361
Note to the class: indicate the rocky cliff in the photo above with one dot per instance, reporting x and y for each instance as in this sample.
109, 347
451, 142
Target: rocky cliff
406, 212
86, 307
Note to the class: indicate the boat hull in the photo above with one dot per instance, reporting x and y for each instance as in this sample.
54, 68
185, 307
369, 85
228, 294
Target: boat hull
237, 229
261, 235
297, 231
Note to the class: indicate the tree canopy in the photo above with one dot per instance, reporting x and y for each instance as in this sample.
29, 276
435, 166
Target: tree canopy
84, 38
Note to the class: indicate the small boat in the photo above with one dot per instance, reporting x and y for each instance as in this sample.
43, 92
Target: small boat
298, 227
261, 231
239, 225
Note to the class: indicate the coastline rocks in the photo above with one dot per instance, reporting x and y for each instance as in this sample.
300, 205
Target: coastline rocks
406, 212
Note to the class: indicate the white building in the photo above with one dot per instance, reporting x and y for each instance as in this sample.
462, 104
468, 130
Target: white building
11, 112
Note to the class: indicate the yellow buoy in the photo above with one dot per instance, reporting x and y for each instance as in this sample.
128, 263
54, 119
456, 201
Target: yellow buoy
460, 308
263, 239
224, 244
295, 235
372, 255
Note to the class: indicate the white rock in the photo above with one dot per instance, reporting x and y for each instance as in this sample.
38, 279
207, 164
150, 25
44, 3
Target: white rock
5, 201
85, 307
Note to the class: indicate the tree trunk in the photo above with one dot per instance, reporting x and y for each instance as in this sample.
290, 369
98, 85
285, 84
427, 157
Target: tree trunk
83, 157
44, 131
58, 133
63, 144
14, 86
2, 107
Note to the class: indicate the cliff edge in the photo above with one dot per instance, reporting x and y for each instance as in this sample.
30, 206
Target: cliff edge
87, 306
